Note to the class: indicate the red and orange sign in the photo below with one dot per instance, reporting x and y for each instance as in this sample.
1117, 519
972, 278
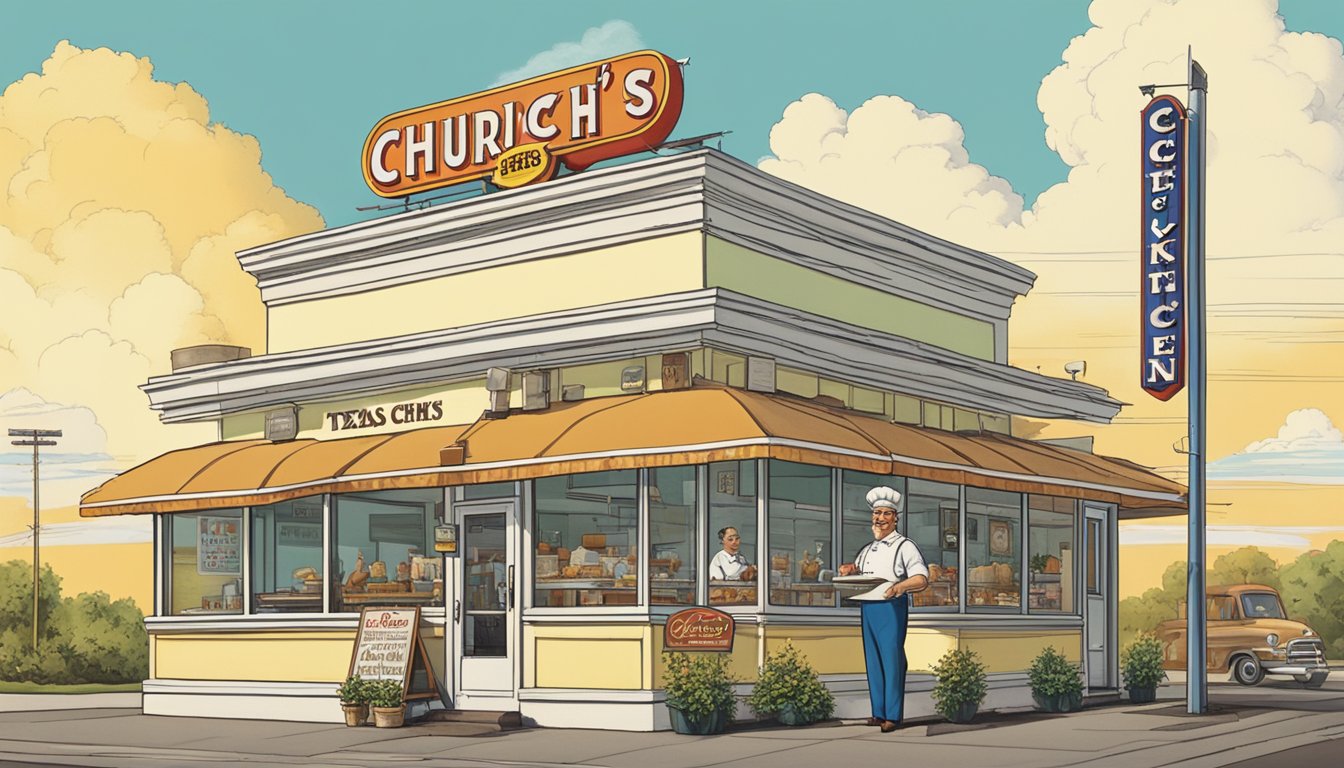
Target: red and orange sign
517, 133
698, 629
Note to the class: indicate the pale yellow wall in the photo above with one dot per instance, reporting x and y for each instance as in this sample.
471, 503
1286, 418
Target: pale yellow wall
906, 410
602, 379
611, 656
727, 368
289, 656
830, 650
1014, 651
649, 268
868, 400
795, 382
837, 389
745, 271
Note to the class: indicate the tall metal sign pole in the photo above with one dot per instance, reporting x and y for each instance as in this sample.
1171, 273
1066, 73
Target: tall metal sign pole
1196, 682
35, 438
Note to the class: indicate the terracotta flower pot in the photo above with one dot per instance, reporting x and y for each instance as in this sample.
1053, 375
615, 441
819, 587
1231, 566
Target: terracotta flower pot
355, 714
389, 717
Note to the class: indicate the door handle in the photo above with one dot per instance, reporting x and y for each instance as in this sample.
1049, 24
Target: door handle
510, 585
457, 611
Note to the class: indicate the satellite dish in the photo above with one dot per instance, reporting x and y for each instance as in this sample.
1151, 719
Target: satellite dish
1076, 368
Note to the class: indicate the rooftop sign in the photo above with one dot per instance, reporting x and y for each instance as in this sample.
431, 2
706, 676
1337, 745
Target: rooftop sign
516, 134
1162, 222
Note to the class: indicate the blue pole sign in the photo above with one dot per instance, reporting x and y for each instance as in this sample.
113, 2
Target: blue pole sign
1163, 255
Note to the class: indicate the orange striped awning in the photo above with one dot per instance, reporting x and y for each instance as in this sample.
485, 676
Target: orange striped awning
689, 426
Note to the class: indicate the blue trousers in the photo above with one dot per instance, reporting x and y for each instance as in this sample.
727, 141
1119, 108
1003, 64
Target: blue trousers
884, 626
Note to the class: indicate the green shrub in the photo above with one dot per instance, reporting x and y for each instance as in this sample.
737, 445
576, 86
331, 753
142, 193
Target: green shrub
1141, 663
85, 639
383, 693
102, 641
961, 680
354, 690
787, 678
698, 684
1052, 675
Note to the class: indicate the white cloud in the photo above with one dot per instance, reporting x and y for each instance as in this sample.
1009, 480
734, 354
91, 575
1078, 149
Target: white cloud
1308, 449
1226, 535
1308, 429
612, 38
78, 462
1275, 215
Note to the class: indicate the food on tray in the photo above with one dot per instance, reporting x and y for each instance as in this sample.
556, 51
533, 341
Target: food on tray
403, 572
306, 573
377, 571
543, 548
594, 540
570, 572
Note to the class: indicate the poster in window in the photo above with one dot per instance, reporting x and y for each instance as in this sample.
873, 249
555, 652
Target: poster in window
219, 546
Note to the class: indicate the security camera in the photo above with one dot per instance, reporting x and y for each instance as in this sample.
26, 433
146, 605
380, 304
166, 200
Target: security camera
1076, 368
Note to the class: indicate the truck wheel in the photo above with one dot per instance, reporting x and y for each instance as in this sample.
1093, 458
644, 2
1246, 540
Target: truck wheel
1246, 670
1316, 679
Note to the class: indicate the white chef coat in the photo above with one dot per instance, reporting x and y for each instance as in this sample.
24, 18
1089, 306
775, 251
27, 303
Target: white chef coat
726, 566
894, 558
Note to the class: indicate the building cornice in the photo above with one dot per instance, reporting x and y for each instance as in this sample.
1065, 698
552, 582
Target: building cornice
711, 317
703, 191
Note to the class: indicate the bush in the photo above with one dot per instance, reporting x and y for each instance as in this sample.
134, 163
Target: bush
1141, 663
85, 639
961, 680
1052, 675
382, 693
787, 678
698, 685
354, 690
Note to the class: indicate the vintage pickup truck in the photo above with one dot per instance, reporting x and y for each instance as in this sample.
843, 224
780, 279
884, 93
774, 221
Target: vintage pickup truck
1249, 633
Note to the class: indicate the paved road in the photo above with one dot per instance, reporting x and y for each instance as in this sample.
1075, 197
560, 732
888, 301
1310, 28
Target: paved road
1277, 724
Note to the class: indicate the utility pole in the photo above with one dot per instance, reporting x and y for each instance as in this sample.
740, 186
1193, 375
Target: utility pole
35, 438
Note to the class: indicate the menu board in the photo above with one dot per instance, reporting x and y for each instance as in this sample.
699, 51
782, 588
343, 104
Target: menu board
219, 545
388, 647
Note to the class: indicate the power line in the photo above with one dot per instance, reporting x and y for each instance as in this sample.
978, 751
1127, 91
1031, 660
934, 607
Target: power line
35, 438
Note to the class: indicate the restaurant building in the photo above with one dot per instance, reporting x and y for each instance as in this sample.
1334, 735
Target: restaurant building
589, 378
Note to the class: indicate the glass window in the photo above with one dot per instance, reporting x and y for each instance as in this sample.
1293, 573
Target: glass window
994, 556
671, 536
1220, 608
487, 491
1051, 525
206, 562
732, 533
588, 530
856, 519
930, 521
1261, 605
384, 552
800, 534
286, 556
1093, 550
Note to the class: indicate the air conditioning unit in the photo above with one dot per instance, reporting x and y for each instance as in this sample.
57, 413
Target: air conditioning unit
536, 390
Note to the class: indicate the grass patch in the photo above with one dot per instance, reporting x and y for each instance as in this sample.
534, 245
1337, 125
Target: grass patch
12, 687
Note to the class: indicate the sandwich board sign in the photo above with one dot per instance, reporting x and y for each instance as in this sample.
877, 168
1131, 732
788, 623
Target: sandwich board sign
388, 647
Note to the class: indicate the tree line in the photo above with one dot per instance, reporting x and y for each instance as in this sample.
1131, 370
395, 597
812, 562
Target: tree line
1312, 588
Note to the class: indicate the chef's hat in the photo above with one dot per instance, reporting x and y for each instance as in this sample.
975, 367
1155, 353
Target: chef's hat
883, 496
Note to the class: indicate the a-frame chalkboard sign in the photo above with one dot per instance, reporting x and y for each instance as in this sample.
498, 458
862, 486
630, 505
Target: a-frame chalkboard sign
388, 647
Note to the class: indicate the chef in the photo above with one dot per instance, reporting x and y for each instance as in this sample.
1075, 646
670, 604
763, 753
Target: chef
896, 560
730, 564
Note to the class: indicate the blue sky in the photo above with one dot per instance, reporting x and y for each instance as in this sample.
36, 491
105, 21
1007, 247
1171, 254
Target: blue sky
309, 79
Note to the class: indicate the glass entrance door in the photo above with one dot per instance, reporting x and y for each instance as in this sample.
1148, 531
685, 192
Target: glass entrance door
486, 614
1098, 589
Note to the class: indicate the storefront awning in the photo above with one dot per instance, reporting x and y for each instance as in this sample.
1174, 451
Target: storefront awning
689, 426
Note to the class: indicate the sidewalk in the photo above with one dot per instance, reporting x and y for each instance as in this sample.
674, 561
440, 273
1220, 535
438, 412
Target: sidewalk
1157, 734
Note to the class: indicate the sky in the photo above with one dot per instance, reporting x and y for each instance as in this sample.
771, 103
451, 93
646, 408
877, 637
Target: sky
142, 144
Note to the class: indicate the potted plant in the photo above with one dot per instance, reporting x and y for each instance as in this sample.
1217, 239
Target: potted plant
354, 703
1055, 683
789, 690
699, 692
1141, 667
389, 711
960, 687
